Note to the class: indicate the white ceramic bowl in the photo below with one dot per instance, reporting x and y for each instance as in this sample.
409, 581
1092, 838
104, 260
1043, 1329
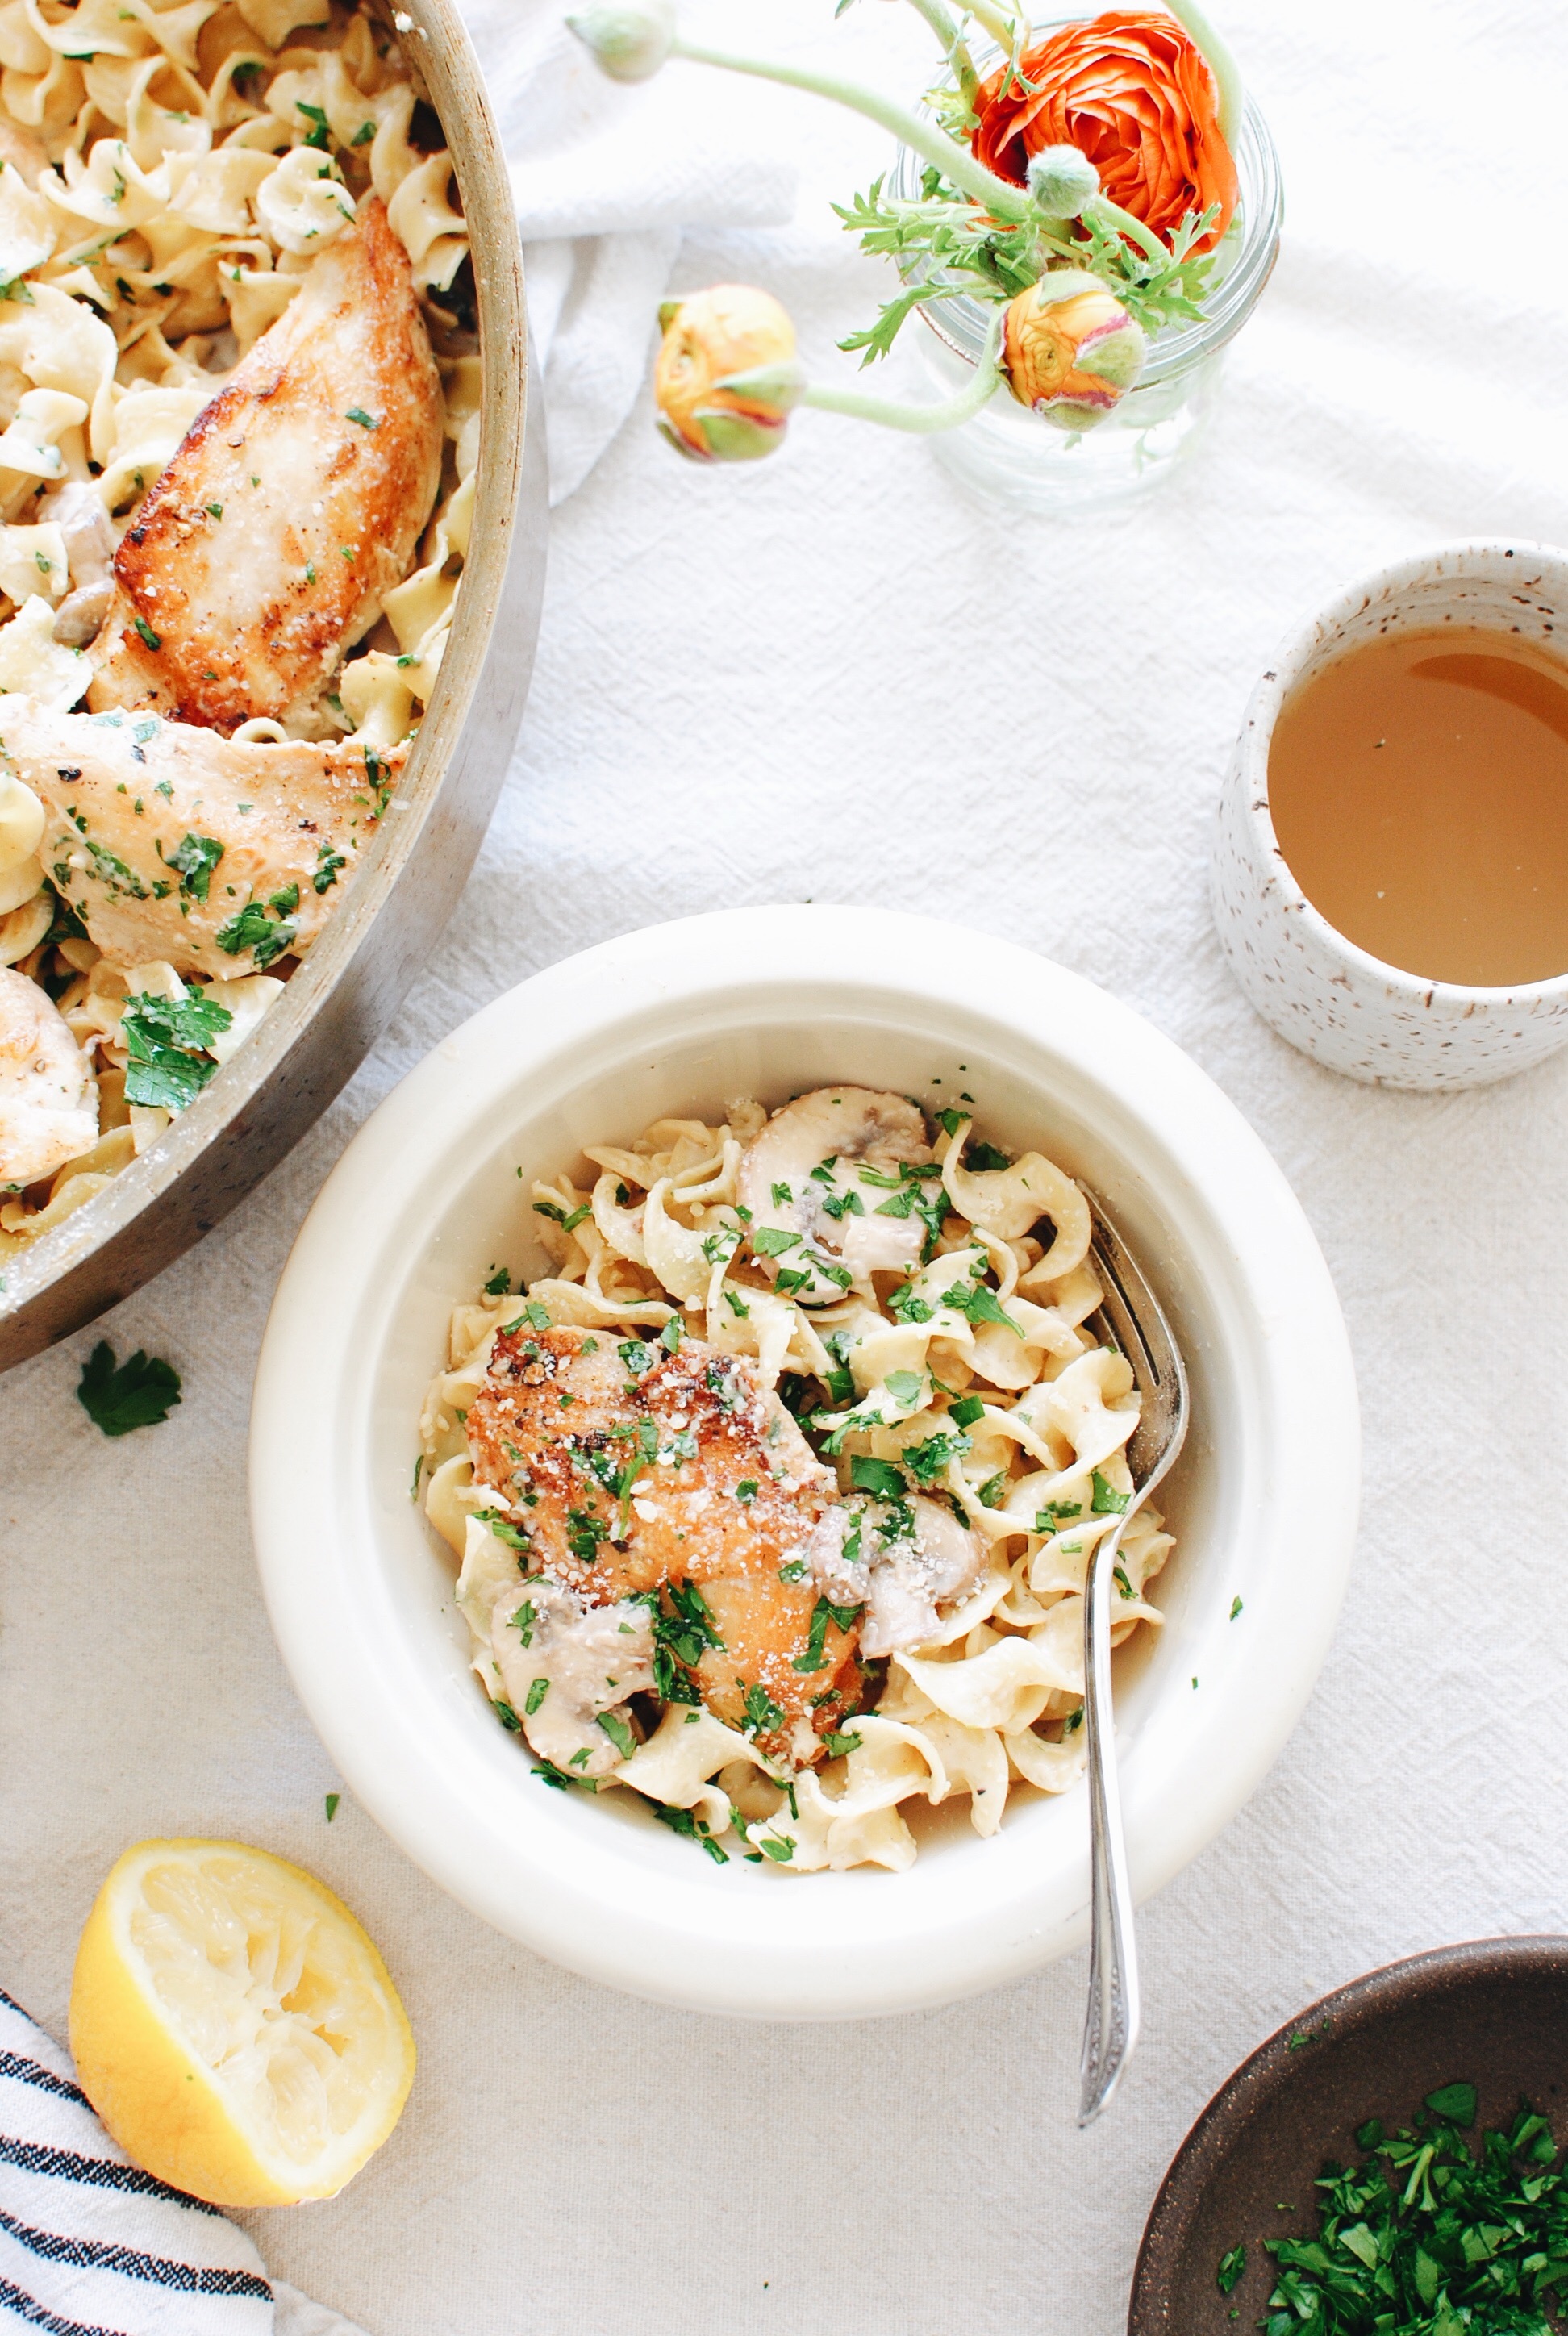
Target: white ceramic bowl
679, 1018
1331, 998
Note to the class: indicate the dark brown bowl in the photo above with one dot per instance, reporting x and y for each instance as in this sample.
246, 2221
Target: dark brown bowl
1493, 2013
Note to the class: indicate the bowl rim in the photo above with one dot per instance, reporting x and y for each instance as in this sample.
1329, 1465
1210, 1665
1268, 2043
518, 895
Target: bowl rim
1267, 2072
676, 1942
265, 1097
1315, 642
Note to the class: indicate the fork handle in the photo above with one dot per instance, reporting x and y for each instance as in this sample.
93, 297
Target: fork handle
1111, 2024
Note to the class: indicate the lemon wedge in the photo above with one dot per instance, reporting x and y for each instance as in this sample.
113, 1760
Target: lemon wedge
234, 2027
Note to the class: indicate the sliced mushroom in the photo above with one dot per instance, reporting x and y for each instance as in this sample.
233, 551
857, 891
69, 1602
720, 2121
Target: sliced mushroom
907, 1557
567, 1665
823, 1185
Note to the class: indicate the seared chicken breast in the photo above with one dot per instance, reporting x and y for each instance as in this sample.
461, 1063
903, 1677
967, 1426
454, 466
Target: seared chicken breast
294, 502
171, 841
633, 1473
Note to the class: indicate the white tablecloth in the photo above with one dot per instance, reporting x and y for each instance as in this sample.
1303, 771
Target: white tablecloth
834, 679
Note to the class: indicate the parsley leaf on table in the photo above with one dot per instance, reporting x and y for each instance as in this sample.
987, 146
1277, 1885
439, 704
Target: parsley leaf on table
141, 1393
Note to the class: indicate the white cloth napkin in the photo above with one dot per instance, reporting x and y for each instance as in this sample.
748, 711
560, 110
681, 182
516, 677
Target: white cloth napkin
606, 176
90, 2245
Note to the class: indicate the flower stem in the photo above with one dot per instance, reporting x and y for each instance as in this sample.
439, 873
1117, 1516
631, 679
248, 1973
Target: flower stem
953, 46
893, 414
1101, 207
1009, 33
1221, 63
923, 137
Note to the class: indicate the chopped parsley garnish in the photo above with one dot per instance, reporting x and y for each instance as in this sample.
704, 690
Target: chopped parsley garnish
500, 1283
549, 1773
364, 135
906, 1307
1233, 2264
979, 1304
365, 421
141, 1393
263, 927
165, 1039
538, 1690
332, 1801
994, 1491
1429, 2236
823, 1613
670, 1337
196, 857
1235, 1608
927, 1460
147, 633
761, 1711
773, 1241
792, 1279
1123, 1582
569, 1224
638, 1359
780, 1851
507, 1717
793, 1569
736, 1304
327, 863
746, 1490
523, 1621
966, 1411
682, 1822
951, 1121
584, 1531
782, 1196
877, 1476
838, 1742
1107, 1501
618, 1733
904, 1386
504, 1531
985, 1159
839, 1205
319, 132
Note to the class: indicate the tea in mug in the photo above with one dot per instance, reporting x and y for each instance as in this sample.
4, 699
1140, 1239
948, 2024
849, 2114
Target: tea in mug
1418, 784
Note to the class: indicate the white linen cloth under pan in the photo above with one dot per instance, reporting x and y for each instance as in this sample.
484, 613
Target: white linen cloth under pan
605, 178
90, 2245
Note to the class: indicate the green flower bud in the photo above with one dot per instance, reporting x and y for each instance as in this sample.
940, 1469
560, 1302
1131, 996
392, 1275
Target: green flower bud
629, 38
1061, 179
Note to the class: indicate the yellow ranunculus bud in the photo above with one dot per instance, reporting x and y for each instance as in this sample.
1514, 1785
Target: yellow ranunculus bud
726, 377
1069, 349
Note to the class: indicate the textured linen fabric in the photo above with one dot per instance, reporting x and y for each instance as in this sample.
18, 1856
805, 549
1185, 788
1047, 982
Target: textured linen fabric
833, 677
91, 2245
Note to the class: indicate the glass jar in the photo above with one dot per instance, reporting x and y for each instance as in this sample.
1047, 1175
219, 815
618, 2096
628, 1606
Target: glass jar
1015, 456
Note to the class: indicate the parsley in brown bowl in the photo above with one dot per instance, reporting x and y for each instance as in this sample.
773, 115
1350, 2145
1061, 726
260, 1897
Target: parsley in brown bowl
1391, 2161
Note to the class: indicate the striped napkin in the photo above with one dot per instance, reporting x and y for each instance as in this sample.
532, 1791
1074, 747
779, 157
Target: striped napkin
91, 2246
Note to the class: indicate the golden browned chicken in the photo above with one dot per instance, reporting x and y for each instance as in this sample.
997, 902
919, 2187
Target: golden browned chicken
217, 855
294, 502
627, 1470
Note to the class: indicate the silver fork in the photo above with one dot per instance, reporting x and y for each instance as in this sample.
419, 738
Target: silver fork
1131, 1319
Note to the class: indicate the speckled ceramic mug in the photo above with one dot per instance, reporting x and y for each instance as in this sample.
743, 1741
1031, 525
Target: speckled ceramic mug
1335, 1001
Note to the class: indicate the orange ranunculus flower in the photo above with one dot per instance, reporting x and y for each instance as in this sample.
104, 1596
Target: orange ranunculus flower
1135, 94
725, 377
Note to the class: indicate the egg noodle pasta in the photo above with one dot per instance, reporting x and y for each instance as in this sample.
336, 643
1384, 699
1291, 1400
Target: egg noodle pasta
171, 172
774, 1498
